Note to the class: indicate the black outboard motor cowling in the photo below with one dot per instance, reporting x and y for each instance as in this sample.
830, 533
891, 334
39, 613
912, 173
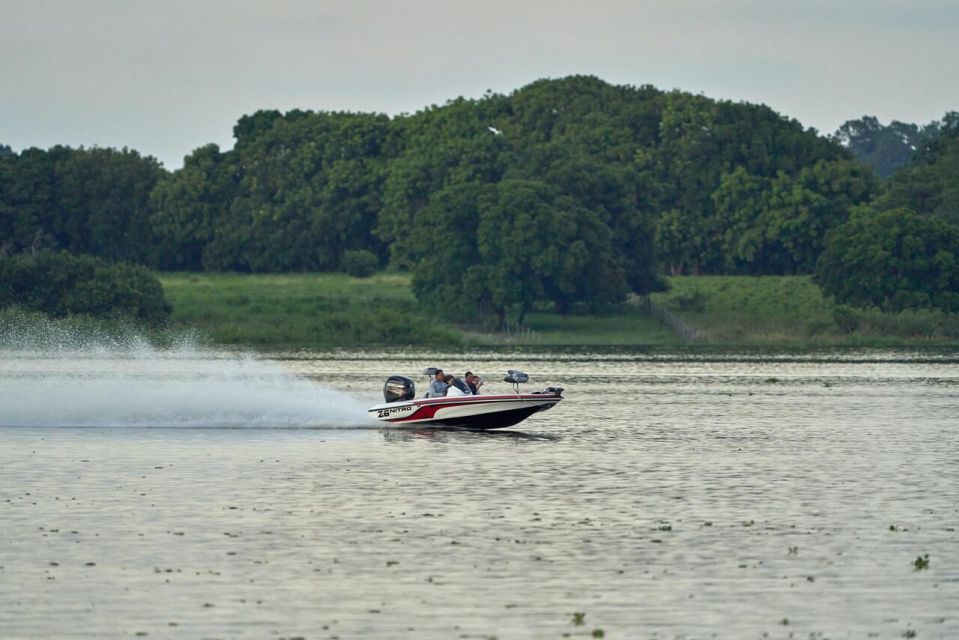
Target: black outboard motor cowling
398, 388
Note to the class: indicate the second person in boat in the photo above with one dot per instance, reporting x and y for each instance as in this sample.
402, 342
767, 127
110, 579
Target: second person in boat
474, 382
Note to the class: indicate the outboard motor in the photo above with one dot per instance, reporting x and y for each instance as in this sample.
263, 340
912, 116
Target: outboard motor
398, 388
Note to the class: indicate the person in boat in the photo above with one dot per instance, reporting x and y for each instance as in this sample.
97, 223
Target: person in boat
474, 382
437, 388
456, 387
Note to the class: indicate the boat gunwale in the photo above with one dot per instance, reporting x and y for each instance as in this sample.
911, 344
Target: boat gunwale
474, 399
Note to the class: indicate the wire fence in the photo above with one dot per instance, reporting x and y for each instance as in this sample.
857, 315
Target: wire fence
670, 319
520, 333
516, 333
511, 333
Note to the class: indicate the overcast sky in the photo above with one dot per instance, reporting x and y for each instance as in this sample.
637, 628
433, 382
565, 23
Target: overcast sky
167, 76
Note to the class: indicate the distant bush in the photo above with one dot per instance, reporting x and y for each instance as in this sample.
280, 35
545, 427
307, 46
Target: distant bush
360, 264
60, 284
893, 260
845, 318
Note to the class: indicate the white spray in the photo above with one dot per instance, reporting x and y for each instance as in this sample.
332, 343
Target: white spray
51, 375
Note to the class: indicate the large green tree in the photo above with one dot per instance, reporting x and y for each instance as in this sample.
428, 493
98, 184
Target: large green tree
741, 200
101, 204
702, 140
439, 147
512, 244
189, 208
761, 225
297, 192
92, 201
894, 260
884, 148
26, 196
802, 210
930, 184
888, 148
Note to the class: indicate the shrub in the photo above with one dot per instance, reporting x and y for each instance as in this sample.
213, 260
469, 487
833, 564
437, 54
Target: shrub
893, 260
845, 318
360, 264
59, 284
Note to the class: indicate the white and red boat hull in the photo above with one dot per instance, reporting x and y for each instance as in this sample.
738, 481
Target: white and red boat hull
465, 412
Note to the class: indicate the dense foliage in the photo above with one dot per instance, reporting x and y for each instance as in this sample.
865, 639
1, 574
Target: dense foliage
902, 250
568, 192
888, 148
60, 284
93, 201
360, 263
893, 260
491, 246
296, 192
765, 226
930, 184
639, 158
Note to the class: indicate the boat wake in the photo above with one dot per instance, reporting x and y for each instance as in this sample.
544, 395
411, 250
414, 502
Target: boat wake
55, 377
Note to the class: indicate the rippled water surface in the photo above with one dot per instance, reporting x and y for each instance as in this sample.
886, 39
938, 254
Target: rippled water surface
210, 496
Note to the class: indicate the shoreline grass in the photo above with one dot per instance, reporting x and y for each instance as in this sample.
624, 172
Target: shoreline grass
318, 309
790, 311
336, 310
784, 314
731, 312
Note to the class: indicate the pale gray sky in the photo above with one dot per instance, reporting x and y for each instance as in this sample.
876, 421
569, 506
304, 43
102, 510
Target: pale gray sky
166, 76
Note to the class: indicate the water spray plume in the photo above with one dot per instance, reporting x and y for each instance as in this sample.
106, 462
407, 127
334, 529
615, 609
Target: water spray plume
55, 374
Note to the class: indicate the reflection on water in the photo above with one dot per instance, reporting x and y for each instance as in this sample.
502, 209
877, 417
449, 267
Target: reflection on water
461, 436
668, 496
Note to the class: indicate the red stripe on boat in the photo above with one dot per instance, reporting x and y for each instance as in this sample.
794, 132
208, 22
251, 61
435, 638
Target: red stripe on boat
426, 411
430, 406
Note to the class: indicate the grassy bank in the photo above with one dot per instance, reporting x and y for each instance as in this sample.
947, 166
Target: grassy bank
330, 310
627, 326
303, 309
791, 311
337, 310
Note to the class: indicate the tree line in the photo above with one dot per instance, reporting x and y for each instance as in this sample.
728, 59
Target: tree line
568, 192
901, 249
888, 148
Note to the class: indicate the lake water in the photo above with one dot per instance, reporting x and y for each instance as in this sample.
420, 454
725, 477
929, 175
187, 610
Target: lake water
200, 494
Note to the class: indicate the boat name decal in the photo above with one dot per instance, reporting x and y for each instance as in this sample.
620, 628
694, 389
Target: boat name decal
385, 413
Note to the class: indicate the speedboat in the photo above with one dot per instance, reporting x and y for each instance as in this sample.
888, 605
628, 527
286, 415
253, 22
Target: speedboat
480, 412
